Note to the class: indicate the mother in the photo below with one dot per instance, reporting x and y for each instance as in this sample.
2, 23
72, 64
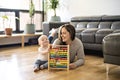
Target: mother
66, 36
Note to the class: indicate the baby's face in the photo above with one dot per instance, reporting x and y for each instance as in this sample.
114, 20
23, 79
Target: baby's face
44, 41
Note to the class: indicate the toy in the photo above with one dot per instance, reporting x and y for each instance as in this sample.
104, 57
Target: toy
58, 57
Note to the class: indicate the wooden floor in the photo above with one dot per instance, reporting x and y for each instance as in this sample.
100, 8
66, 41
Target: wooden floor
16, 63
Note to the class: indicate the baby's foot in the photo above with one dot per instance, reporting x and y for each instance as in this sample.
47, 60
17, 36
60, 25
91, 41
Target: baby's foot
41, 67
36, 69
53, 31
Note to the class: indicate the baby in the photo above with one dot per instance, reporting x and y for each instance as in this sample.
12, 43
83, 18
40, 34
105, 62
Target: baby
41, 62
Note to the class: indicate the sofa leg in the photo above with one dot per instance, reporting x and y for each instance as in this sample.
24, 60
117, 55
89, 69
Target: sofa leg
107, 69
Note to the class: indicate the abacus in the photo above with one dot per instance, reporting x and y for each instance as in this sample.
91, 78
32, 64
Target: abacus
58, 57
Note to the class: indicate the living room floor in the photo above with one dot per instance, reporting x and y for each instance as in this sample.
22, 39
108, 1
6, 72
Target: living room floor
16, 63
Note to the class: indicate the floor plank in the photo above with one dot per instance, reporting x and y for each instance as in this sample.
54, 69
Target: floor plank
16, 63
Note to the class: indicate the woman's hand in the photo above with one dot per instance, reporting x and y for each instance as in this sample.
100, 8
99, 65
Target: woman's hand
72, 66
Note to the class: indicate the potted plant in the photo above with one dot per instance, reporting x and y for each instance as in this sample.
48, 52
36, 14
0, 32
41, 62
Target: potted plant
30, 27
53, 4
8, 30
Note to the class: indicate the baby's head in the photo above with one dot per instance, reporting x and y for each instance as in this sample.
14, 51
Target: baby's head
43, 41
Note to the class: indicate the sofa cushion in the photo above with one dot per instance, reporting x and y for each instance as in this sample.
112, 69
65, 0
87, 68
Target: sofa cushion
101, 33
105, 25
92, 25
82, 25
78, 35
88, 35
115, 25
78, 32
91, 46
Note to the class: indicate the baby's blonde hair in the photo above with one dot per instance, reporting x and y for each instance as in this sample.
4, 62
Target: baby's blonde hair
42, 36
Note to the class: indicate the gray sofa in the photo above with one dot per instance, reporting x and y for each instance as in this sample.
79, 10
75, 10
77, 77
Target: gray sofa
92, 29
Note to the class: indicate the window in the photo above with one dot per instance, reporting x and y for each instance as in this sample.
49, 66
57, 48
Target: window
20, 4
7, 23
20, 8
24, 19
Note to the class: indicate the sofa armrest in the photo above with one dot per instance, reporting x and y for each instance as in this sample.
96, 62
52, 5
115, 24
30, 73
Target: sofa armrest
47, 26
111, 48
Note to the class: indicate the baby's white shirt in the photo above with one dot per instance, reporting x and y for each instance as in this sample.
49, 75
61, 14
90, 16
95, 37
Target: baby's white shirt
41, 56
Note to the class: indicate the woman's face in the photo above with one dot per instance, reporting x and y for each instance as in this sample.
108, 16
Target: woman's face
65, 35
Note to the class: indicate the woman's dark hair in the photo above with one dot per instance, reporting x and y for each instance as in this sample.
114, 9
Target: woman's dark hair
70, 28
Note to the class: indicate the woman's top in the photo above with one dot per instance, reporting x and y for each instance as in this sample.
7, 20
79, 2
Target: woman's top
76, 51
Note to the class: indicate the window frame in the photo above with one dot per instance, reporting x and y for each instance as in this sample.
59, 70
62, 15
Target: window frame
17, 14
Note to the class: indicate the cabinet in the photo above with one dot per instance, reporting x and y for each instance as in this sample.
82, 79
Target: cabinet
21, 35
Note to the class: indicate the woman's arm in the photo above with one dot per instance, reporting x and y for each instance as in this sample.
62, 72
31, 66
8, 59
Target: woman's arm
80, 57
78, 52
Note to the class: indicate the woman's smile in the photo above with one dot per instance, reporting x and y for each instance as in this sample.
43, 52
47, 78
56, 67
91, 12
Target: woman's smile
65, 35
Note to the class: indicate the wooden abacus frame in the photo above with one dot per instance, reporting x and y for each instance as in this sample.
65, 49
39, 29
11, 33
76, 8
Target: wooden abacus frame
61, 53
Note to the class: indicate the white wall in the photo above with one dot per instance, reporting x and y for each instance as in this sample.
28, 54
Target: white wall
70, 8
